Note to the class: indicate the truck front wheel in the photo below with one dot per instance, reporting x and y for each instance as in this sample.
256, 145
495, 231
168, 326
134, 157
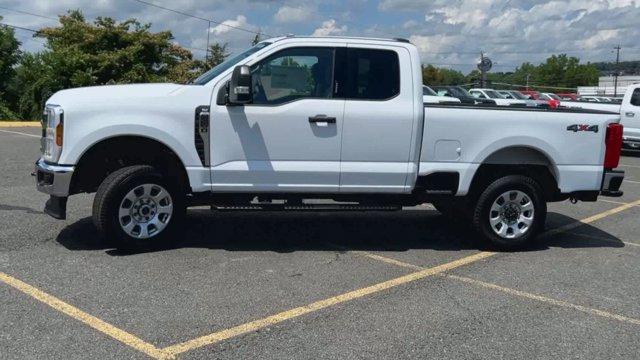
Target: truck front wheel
510, 212
136, 207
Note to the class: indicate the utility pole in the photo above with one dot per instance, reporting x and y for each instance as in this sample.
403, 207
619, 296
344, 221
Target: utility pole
206, 56
528, 76
483, 72
617, 71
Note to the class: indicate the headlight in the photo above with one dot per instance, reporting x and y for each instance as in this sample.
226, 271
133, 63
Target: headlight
53, 132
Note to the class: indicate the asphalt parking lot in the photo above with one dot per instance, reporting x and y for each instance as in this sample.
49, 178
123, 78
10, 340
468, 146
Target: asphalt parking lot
302, 285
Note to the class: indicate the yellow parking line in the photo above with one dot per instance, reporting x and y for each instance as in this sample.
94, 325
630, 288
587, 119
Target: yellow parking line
92, 321
613, 201
631, 166
632, 181
19, 133
20, 124
319, 305
545, 299
590, 219
603, 238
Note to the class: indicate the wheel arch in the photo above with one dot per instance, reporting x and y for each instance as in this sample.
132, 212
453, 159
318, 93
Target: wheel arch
117, 151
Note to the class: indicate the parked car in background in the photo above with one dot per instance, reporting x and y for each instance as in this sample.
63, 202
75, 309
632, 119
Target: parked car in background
568, 96
429, 96
495, 96
461, 94
553, 99
630, 113
516, 95
531, 93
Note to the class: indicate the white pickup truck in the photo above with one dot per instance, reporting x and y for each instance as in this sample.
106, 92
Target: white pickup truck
629, 110
297, 119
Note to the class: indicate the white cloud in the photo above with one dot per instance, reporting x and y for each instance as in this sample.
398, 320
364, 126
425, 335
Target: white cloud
290, 14
330, 27
228, 25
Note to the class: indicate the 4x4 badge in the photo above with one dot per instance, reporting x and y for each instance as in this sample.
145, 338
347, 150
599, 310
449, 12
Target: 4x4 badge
582, 127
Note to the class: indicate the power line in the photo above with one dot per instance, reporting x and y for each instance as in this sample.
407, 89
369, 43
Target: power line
19, 28
29, 13
199, 18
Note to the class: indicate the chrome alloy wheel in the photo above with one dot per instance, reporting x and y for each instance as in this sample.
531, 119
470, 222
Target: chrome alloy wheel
145, 211
511, 214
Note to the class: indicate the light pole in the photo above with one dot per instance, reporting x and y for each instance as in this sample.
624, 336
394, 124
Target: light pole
615, 74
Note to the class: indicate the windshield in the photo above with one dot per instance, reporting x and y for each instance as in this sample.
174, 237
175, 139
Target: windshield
518, 95
553, 96
222, 67
428, 91
493, 94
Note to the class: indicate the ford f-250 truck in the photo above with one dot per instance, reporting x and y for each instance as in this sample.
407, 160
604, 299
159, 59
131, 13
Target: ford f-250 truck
296, 119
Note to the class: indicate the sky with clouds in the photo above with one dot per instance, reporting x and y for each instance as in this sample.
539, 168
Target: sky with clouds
449, 33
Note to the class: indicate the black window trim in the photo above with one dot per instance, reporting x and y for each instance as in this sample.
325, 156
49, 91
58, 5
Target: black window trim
333, 79
635, 95
342, 81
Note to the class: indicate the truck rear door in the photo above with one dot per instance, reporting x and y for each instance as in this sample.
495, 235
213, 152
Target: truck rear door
378, 118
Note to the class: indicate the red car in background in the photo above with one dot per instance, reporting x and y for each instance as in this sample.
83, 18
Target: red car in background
542, 98
532, 94
568, 96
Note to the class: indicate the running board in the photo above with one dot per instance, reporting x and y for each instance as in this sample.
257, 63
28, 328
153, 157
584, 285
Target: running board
307, 207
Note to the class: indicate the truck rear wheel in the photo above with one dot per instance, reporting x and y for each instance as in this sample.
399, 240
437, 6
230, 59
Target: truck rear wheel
510, 212
136, 207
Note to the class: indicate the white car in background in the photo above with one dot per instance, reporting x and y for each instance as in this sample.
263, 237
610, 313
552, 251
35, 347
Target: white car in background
429, 96
495, 96
517, 95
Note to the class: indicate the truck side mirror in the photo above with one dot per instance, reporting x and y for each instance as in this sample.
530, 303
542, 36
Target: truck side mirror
240, 86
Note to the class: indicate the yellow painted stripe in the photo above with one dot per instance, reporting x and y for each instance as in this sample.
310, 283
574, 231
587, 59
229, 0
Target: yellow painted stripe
631, 166
523, 294
319, 305
20, 124
19, 133
603, 238
591, 219
612, 201
632, 181
92, 321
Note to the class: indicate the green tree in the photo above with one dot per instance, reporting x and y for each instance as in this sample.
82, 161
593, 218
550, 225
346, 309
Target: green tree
256, 39
9, 57
432, 75
79, 53
217, 54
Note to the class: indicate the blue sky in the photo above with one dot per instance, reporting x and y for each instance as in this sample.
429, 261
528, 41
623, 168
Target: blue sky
449, 33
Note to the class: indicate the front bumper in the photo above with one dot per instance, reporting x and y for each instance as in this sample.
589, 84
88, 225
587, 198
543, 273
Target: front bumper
631, 143
52, 179
611, 182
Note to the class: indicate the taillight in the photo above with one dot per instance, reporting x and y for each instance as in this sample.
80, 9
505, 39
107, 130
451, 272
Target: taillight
613, 143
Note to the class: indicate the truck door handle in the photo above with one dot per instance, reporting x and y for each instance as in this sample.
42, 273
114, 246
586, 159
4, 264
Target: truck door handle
630, 114
322, 119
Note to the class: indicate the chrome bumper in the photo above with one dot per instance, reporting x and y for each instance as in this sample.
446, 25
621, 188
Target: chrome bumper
631, 143
611, 182
54, 180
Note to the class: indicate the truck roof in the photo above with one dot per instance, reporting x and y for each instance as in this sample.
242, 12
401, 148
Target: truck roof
338, 38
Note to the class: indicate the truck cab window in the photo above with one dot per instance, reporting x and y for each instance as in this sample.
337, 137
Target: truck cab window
635, 97
293, 74
372, 74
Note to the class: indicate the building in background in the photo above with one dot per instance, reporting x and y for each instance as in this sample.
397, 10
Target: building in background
606, 85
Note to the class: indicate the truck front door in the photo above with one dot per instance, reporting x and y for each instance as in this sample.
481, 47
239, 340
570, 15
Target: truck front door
288, 139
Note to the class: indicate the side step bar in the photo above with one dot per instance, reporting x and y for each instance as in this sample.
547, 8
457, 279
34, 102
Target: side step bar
308, 207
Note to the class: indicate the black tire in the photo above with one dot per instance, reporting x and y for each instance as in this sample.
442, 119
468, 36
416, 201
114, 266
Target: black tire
110, 195
482, 212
